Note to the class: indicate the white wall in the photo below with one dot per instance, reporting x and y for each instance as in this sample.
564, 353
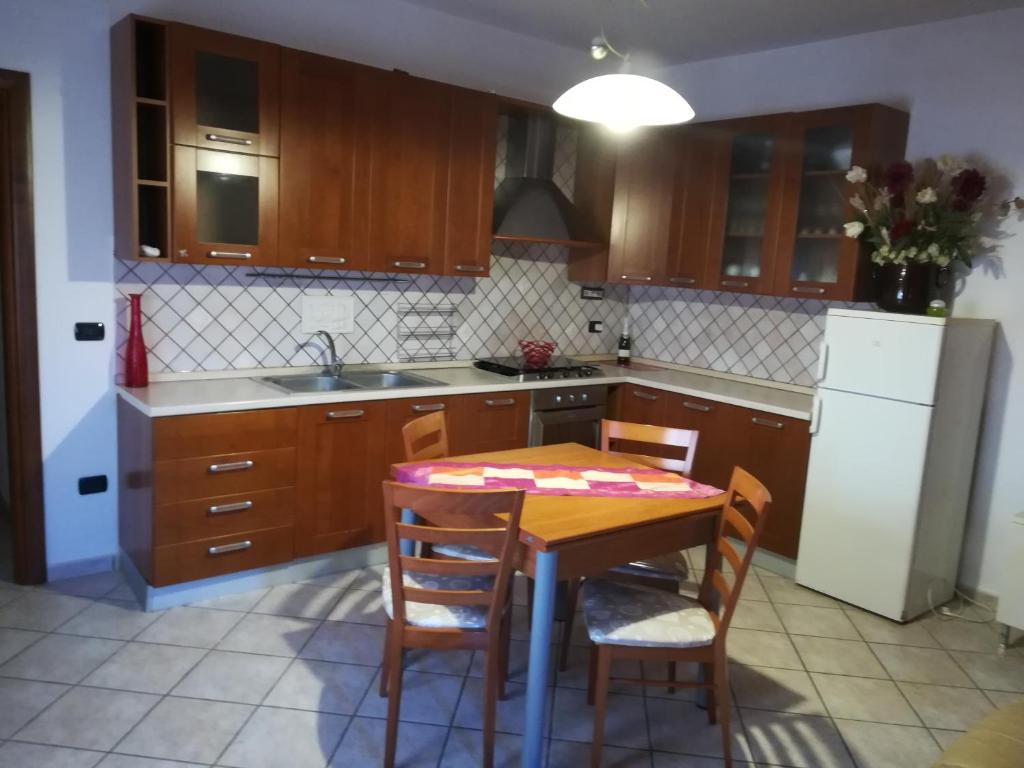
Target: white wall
961, 81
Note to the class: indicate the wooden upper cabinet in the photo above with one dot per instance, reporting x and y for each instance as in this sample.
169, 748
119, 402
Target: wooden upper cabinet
815, 258
224, 91
686, 265
326, 129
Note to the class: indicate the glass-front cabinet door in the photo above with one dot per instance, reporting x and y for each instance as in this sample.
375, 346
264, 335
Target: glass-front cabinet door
224, 91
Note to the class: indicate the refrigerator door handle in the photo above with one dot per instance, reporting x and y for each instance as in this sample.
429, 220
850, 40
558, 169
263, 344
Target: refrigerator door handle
816, 415
822, 363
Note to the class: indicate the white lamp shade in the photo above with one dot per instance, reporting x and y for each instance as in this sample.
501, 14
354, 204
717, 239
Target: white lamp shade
623, 102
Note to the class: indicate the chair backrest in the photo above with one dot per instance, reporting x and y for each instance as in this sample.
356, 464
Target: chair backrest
651, 435
743, 515
426, 438
488, 520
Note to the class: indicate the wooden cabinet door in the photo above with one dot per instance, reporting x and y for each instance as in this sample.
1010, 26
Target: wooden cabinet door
492, 421
470, 198
640, 405
409, 175
339, 501
687, 257
326, 129
715, 455
224, 91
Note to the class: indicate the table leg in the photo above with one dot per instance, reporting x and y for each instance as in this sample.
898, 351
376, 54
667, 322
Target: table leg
540, 657
407, 546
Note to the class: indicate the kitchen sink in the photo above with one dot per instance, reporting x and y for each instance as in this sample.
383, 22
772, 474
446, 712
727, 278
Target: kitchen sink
325, 382
389, 379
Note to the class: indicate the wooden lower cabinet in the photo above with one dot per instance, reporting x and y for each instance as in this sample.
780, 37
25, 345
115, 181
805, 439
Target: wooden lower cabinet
492, 421
715, 456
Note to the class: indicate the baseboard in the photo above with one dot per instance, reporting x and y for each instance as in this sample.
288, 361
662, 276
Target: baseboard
73, 569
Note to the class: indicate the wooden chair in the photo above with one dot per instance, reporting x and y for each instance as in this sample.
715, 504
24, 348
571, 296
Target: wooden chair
627, 621
426, 438
449, 604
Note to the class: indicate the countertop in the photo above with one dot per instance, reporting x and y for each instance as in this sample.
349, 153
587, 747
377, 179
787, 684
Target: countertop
216, 394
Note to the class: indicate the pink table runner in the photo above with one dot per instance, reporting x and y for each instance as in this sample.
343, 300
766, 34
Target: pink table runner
556, 480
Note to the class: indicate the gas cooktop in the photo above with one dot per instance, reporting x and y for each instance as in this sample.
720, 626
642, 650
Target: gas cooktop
556, 368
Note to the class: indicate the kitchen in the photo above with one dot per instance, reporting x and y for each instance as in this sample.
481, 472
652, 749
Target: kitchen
207, 327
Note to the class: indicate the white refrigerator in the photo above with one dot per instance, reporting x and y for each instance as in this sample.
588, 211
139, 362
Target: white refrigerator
893, 437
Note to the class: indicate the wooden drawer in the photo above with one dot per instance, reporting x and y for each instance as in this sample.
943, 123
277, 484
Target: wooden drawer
221, 475
222, 515
491, 421
208, 434
175, 563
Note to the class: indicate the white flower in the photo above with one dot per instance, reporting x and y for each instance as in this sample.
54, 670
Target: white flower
942, 261
885, 236
933, 249
856, 175
976, 217
857, 202
853, 229
926, 195
885, 250
950, 164
987, 242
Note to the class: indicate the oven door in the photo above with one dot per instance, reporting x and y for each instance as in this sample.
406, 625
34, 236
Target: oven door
568, 425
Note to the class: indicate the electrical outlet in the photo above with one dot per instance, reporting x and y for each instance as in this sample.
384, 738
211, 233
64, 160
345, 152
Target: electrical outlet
595, 326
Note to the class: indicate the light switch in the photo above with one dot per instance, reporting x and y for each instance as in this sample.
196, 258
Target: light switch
334, 314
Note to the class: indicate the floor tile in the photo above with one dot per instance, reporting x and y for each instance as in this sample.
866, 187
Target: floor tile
575, 753
419, 745
60, 658
197, 627
780, 690
303, 601
945, 738
752, 589
123, 593
838, 657
625, 720
116, 620
350, 643
995, 673
578, 672
186, 729
21, 700
751, 614
41, 611
285, 737
785, 591
946, 707
15, 755
877, 629
368, 578
817, 622
511, 712
93, 585
244, 678
862, 698
242, 601
131, 761
801, 741
1004, 698
762, 649
682, 727
878, 745
8, 595
954, 635
322, 686
14, 641
145, 667
920, 665
668, 760
89, 718
451, 662
361, 607
273, 635
426, 698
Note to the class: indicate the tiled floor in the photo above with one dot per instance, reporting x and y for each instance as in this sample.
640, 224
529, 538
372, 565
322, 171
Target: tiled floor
286, 678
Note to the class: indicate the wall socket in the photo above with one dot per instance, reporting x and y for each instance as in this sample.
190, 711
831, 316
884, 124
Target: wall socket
595, 326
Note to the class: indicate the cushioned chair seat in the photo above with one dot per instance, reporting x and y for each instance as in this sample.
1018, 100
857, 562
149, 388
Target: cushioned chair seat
628, 614
461, 552
440, 616
670, 566
995, 742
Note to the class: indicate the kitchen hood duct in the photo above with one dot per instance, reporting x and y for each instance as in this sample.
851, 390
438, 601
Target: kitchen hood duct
528, 204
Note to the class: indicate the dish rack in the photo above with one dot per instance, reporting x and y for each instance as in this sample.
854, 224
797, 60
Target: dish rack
426, 331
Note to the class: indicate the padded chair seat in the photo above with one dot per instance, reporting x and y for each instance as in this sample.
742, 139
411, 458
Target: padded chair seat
440, 616
670, 566
627, 614
461, 552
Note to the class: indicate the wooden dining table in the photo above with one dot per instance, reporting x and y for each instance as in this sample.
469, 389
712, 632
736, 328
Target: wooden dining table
569, 537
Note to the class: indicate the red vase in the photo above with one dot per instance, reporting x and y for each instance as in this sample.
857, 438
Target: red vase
136, 369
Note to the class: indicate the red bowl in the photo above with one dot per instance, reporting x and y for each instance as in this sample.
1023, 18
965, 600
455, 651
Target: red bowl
537, 353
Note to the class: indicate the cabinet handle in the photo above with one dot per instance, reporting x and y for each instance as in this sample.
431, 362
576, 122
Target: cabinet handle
241, 255
228, 140
222, 509
223, 549
469, 268
410, 264
697, 406
644, 395
807, 289
822, 363
233, 466
644, 278
767, 423
325, 260
683, 280
735, 283
353, 414
500, 403
428, 408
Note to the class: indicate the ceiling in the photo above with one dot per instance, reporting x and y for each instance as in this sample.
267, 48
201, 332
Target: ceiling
663, 32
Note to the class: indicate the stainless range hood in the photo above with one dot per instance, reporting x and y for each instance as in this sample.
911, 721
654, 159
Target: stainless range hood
528, 205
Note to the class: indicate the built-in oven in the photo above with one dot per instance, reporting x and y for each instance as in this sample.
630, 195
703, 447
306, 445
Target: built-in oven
568, 415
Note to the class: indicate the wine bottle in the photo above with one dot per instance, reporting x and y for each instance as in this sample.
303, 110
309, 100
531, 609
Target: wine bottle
625, 345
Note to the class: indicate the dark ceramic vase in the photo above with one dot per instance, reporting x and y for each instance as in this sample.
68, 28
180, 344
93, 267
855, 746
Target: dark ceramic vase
903, 288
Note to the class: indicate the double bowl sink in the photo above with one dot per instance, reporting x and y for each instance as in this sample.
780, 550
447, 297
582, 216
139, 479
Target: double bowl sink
326, 382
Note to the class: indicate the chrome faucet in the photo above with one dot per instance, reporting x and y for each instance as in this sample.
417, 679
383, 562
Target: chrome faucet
336, 365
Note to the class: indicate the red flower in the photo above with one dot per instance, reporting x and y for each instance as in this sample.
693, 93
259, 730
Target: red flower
901, 228
968, 185
898, 177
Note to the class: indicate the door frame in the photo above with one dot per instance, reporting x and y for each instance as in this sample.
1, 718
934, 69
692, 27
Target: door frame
21, 361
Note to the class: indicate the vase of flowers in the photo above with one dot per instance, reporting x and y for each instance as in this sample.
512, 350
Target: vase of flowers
917, 220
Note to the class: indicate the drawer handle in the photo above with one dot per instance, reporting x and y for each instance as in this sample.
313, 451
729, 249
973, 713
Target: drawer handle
644, 395
326, 260
240, 255
697, 406
642, 278
683, 280
353, 414
469, 268
410, 264
428, 408
736, 283
234, 466
500, 403
223, 509
807, 289
767, 423
228, 140
223, 549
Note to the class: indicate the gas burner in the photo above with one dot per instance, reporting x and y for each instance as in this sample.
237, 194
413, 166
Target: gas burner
556, 368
